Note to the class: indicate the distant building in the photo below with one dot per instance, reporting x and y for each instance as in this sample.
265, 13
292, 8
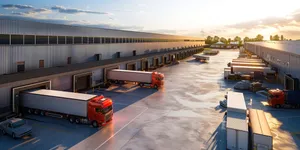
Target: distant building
222, 45
218, 45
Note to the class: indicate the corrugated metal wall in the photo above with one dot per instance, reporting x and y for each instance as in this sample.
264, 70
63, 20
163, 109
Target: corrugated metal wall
287, 63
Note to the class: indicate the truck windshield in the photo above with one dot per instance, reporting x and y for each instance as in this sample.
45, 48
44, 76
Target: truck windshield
104, 110
18, 124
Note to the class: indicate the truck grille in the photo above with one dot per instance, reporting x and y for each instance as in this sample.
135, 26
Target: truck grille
108, 116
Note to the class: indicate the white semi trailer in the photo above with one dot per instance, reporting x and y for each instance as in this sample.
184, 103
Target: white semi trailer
255, 64
250, 69
76, 107
154, 79
247, 60
261, 137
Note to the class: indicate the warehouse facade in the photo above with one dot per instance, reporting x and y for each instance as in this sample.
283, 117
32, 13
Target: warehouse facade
284, 55
64, 57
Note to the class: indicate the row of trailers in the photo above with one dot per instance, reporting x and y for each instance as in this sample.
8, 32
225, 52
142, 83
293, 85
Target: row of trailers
81, 80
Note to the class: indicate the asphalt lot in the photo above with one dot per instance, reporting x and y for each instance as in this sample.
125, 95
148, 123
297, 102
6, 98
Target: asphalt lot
185, 114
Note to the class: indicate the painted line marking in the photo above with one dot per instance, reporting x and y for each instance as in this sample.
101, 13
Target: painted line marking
121, 128
130, 105
23, 143
35, 141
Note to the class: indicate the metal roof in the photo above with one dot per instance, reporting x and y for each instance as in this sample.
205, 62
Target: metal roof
237, 121
259, 122
236, 102
286, 46
63, 94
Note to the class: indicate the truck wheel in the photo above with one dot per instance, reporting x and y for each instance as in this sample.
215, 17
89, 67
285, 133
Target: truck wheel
277, 106
29, 111
36, 112
13, 135
155, 86
141, 84
71, 119
77, 121
3, 132
95, 124
42, 113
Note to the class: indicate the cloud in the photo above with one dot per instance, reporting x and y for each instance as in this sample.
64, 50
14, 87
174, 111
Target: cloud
62, 9
32, 12
16, 6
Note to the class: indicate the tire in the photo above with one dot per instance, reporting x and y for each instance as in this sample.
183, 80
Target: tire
95, 124
277, 106
13, 136
42, 113
29, 111
36, 112
141, 84
71, 120
77, 121
155, 86
3, 132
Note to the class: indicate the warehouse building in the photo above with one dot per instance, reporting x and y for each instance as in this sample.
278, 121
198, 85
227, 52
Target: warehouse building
284, 55
73, 58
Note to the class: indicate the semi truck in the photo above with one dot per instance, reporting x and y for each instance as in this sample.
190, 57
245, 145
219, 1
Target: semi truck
283, 98
153, 79
76, 107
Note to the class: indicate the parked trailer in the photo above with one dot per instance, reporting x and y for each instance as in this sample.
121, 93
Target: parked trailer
236, 102
76, 107
250, 69
247, 60
237, 131
255, 64
154, 79
261, 137
201, 58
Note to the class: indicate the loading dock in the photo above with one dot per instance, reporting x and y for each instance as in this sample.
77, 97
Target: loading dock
145, 64
290, 83
155, 62
82, 81
105, 70
131, 66
17, 90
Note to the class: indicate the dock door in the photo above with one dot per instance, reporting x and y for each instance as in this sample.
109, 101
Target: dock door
82, 81
17, 90
131, 66
105, 71
145, 64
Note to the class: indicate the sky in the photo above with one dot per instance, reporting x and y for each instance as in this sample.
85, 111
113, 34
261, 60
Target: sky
200, 18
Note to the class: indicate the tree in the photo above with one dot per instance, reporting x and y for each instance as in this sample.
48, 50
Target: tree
237, 39
229, 40
271, 38
259, 37
223, 40
276, 38
281, 38
209, 40
246, 39
216, 39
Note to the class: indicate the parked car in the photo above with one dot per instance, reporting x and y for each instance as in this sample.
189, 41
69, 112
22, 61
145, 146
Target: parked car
16, 127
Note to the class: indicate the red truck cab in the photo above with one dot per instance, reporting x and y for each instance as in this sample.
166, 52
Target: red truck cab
276, 98
100, 110
157, 80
